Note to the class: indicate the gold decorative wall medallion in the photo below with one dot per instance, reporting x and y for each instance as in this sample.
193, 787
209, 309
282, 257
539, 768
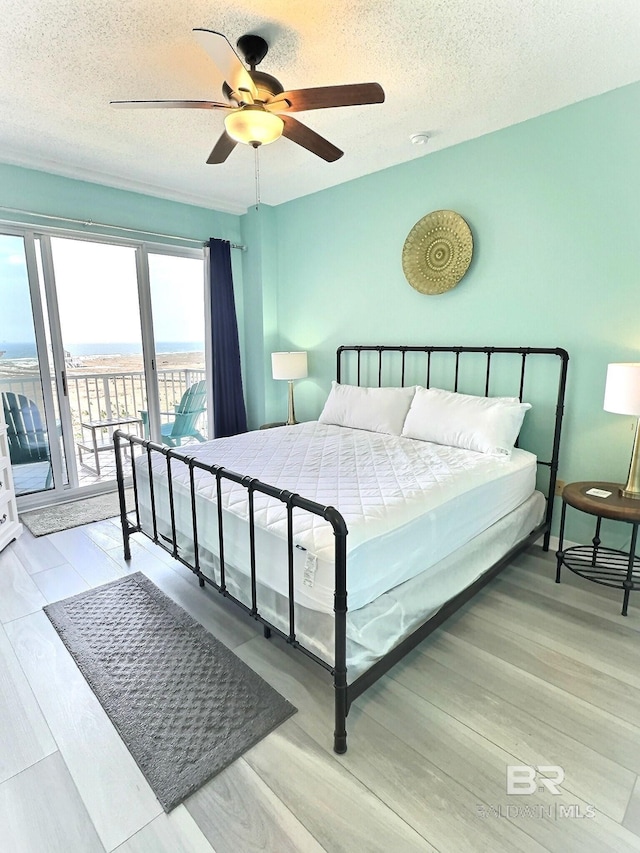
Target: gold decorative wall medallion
437, 252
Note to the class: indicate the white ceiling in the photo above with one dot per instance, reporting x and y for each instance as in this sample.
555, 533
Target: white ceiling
455, 69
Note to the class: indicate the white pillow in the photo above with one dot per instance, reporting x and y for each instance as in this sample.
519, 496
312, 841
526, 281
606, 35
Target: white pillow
485, 424
374, 409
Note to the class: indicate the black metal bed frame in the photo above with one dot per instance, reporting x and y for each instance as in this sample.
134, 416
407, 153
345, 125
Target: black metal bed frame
344, 694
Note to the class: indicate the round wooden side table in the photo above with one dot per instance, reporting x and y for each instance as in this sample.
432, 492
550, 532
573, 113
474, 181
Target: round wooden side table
594, 562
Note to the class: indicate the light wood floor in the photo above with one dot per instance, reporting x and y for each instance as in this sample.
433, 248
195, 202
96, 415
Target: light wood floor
528, 673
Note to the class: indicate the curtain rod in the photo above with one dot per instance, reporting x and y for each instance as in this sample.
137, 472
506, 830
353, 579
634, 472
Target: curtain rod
90, 222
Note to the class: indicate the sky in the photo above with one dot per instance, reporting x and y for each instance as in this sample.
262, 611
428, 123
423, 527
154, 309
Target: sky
13, 290
97, 293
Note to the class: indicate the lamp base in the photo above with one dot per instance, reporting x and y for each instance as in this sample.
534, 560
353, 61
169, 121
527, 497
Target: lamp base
291, 416
632, 488
628, 493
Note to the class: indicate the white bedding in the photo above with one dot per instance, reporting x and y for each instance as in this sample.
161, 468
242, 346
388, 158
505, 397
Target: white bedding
378, 627
407, 504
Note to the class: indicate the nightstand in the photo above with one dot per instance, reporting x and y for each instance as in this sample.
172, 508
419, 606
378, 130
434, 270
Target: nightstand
274, 424
606, 566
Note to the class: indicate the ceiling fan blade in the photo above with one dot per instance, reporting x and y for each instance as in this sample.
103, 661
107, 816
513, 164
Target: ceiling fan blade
179, 105
351, 95
221, 150
227, 60
309, 139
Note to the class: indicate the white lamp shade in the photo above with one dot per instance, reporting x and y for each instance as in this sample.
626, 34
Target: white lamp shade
289, 365
622, 390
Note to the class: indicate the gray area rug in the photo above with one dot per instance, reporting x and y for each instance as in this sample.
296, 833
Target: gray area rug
52, 519
183, 703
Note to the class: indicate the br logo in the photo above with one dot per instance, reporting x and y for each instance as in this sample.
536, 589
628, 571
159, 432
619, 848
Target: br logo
529, 779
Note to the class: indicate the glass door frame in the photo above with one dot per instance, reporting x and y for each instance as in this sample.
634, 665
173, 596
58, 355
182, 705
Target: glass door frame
148, 336
44, 236
29, 238
59, 366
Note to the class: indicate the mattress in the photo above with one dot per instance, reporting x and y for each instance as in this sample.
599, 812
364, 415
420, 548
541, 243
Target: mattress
376, 628
407, 504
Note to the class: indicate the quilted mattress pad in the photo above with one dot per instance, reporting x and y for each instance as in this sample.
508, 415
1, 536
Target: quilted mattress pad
406, 503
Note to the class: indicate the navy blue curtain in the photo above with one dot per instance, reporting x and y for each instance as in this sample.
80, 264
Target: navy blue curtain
229, 415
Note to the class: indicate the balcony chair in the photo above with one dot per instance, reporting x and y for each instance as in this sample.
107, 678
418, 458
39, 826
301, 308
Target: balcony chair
185, 416
28, 441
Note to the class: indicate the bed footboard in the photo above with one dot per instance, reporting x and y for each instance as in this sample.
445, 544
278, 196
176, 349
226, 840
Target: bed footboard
147, 449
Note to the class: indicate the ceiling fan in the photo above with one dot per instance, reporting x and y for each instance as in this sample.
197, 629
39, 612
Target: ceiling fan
257, 105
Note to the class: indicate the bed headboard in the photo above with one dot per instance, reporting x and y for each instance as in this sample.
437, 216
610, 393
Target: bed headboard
533, 374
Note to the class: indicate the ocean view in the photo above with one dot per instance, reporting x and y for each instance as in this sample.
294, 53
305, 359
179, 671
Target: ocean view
18, 350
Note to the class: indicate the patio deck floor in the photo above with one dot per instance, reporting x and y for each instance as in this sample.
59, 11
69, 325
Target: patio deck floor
30, 479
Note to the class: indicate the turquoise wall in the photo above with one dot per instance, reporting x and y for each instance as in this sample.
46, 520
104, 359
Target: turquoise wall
553, 204
41, 192
260, 282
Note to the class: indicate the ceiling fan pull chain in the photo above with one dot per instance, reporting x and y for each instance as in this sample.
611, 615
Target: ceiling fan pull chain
257, 162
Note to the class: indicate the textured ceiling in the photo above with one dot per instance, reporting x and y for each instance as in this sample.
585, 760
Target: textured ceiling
455, 69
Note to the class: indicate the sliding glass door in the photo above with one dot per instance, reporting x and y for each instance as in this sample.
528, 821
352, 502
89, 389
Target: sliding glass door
94, 315
27, 384
178, 316
97, 335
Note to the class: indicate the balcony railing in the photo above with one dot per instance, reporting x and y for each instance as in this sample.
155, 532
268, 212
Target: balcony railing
108, 396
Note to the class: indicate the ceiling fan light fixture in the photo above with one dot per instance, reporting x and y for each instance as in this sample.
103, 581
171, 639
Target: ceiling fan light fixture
253, 125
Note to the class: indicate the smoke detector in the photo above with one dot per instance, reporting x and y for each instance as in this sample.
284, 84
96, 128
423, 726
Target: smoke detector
419, 138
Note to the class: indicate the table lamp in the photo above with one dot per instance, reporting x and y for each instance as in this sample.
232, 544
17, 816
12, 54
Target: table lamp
290, 366
622, 396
